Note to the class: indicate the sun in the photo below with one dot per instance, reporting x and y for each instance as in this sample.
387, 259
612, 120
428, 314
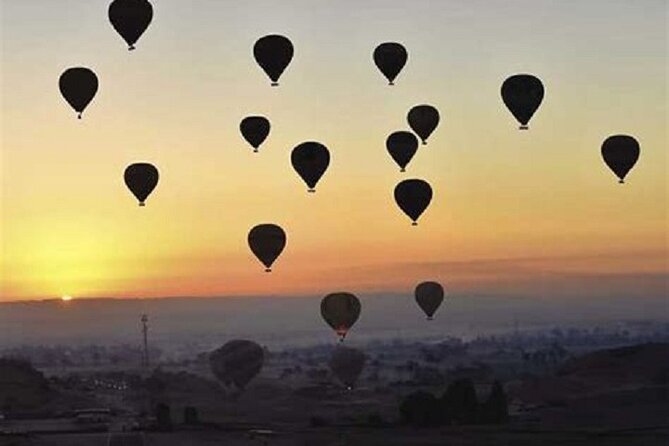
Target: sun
66, 298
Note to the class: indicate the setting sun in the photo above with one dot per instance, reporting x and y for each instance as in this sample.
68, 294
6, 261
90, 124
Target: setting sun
66, 298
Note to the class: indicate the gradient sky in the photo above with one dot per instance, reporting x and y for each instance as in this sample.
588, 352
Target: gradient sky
510, 208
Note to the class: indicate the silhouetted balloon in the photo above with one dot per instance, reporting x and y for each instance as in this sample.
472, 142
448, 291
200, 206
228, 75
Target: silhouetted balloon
255, 130
340, 311
402, 146
78, 86
429, 296
141, 179
346, 364
620, 153
522, 94
390, 58
237, 362
130, 18
413, 197
273, 53
310, 160
267, 242
423, 119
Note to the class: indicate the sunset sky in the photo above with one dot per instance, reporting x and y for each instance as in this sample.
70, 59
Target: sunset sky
533, 212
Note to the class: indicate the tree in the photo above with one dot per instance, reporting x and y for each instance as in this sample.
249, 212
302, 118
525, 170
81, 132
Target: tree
459, 402
163, 417
495, 410
420, 409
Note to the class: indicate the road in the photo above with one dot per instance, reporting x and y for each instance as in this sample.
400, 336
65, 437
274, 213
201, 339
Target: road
125, 440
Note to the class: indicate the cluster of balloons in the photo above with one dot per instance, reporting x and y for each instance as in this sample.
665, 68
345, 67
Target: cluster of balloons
238, 361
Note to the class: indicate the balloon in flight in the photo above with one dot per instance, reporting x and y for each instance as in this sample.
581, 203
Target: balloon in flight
310, 160
267, 242
620, 153
423, 119
347, 364
273, 53
413, 197
130, 18
390, 58
522, 94
402, 147
429, 296
340, 311
78, 86
141, 179
237, 362
255, 130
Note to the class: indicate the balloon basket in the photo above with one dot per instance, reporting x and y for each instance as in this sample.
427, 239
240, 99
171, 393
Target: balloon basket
131, 48
523, 127
621, 181
424, 142
274, 84
391, 83
311, 191
413, 223
268, 270
430, 318
142, 204
79, 116
255, 150
402, 169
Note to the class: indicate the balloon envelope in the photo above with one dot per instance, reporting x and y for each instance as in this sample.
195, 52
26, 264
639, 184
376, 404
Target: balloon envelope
522, 94
429, 296
130, 18
237, 362
78, 86
390, 58
310, 160
423, 119
402, 147
273, 53
141, 179
267, 242
413, 197
340, 311
347, 364
620, 153
255, 130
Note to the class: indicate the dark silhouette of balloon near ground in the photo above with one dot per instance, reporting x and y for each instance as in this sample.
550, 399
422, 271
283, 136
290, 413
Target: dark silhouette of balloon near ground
423, 119
267, 242
413, 197
340, 311
255, 130
347, 364
237, 362
310, 160
141, 179
130, 18
620, 153
273, 53
390, 58
78, 86
402, 147
429, 296
522, 94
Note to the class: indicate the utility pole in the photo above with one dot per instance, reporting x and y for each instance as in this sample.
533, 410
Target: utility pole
145, 333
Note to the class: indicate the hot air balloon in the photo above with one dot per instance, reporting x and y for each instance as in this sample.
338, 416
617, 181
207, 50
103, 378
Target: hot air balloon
273, 53
340, 311
267, 242
255, 130
522, 94
423, 119
78, 86
346, 364
620, 153
413, 197
402, 146
390, 58
130, 18
429, 296
237, 362
310, 160
141, 179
